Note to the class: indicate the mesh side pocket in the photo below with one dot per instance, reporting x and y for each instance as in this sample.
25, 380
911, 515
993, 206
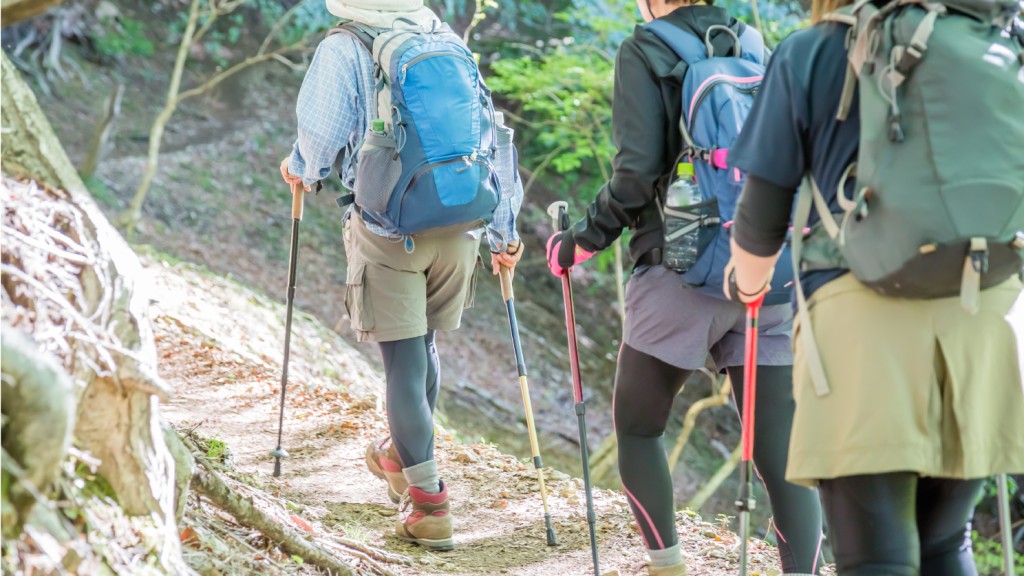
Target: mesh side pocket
688, 231
504, 160
377, 172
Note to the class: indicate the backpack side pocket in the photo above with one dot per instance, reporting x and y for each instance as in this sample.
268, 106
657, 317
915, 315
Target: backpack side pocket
378, 170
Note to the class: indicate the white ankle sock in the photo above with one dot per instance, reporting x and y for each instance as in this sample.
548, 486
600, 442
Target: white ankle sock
667, 557
423, 476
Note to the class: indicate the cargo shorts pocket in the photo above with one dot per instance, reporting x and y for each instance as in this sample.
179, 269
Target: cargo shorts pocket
357, 298
473, 278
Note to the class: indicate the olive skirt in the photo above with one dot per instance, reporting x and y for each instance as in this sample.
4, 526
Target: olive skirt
915, 385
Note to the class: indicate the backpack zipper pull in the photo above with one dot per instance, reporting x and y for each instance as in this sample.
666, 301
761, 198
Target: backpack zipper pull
895, 128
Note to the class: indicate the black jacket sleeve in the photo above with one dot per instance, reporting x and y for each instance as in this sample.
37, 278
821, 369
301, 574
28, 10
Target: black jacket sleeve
762, 216
638, 114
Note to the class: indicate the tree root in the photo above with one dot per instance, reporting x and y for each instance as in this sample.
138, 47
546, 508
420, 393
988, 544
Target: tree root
208, 483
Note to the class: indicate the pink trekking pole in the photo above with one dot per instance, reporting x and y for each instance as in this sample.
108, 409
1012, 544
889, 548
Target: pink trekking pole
560, 222
745, 502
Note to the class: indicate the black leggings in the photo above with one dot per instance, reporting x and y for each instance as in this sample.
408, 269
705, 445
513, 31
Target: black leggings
645, 388
413, 375
900, 524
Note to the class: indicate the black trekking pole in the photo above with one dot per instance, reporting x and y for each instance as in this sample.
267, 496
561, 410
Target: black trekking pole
1005, 527
509, 296
745, 502
560, 221
297, 194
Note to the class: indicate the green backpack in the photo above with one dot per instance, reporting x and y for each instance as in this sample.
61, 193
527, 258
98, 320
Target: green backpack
938, 202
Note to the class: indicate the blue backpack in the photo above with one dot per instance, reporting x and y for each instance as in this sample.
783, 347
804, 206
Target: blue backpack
427, 162
718, 93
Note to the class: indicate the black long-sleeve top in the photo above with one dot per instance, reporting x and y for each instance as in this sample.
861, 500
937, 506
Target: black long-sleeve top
646, 108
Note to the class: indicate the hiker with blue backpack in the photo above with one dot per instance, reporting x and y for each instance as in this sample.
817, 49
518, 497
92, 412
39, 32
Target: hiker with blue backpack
397, 100
897, 128
695, 63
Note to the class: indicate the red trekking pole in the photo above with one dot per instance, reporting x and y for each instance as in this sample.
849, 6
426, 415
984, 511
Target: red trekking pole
745, 502
560, 221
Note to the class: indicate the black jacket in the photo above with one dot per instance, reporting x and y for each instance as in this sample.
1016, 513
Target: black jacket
646, 108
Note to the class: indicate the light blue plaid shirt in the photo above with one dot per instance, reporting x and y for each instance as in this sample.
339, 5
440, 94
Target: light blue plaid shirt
335, 107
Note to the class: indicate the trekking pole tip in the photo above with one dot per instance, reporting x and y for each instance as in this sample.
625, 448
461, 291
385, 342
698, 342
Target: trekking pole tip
552, 540
278, 453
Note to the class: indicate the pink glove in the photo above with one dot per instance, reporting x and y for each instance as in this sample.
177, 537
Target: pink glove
554, 249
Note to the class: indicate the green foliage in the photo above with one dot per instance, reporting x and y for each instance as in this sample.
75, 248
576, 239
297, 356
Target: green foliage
566, 104
216, 449
564, 96
988, 556
309, 19
122, 37
778, 18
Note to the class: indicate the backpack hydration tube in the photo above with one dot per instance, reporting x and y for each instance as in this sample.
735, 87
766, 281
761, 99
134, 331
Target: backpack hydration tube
427, 162
718, 93
937, 202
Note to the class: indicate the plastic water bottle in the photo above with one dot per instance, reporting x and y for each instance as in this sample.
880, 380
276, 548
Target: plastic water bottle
683, 191
680, 251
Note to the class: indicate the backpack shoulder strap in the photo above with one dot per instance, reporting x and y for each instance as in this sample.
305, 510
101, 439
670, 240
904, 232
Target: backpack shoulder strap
365, 34
685, 45
801, 216
846, 16
752, 45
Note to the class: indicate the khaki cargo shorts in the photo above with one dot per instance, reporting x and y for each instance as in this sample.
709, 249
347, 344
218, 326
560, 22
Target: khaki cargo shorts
394, 295
916, 385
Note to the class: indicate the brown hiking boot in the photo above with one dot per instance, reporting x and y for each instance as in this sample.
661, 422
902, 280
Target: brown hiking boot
429, 523
674, 570
384, 463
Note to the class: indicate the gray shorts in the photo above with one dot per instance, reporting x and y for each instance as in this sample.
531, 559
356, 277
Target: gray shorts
680, 325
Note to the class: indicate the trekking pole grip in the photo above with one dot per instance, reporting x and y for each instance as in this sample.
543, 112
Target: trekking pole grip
505, 275
297, 195
559, 211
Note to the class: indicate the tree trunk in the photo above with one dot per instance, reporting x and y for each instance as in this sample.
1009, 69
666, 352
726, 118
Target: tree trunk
38, 403
81, 296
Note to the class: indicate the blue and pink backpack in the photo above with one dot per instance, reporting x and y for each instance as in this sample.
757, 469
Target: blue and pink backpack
718, 93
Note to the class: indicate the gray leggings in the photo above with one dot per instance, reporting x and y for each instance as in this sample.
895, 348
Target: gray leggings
413, 375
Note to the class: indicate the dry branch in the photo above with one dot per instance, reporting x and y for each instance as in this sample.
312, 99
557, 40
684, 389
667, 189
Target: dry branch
691, 420
207, 483
709, 487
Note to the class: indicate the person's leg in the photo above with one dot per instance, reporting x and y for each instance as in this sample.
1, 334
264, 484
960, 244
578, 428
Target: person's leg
433, 370
944, 511
873, 524
409, 413
644, 390
796, 510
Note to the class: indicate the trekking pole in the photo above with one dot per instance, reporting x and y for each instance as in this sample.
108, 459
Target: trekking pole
297, 194
560, 221
508, 295
745, 502
1003, 490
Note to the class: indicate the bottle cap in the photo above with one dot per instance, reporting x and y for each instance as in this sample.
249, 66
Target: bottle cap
377, 125
684, 169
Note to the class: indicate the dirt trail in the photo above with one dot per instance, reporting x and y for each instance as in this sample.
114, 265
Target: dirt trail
219, 347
